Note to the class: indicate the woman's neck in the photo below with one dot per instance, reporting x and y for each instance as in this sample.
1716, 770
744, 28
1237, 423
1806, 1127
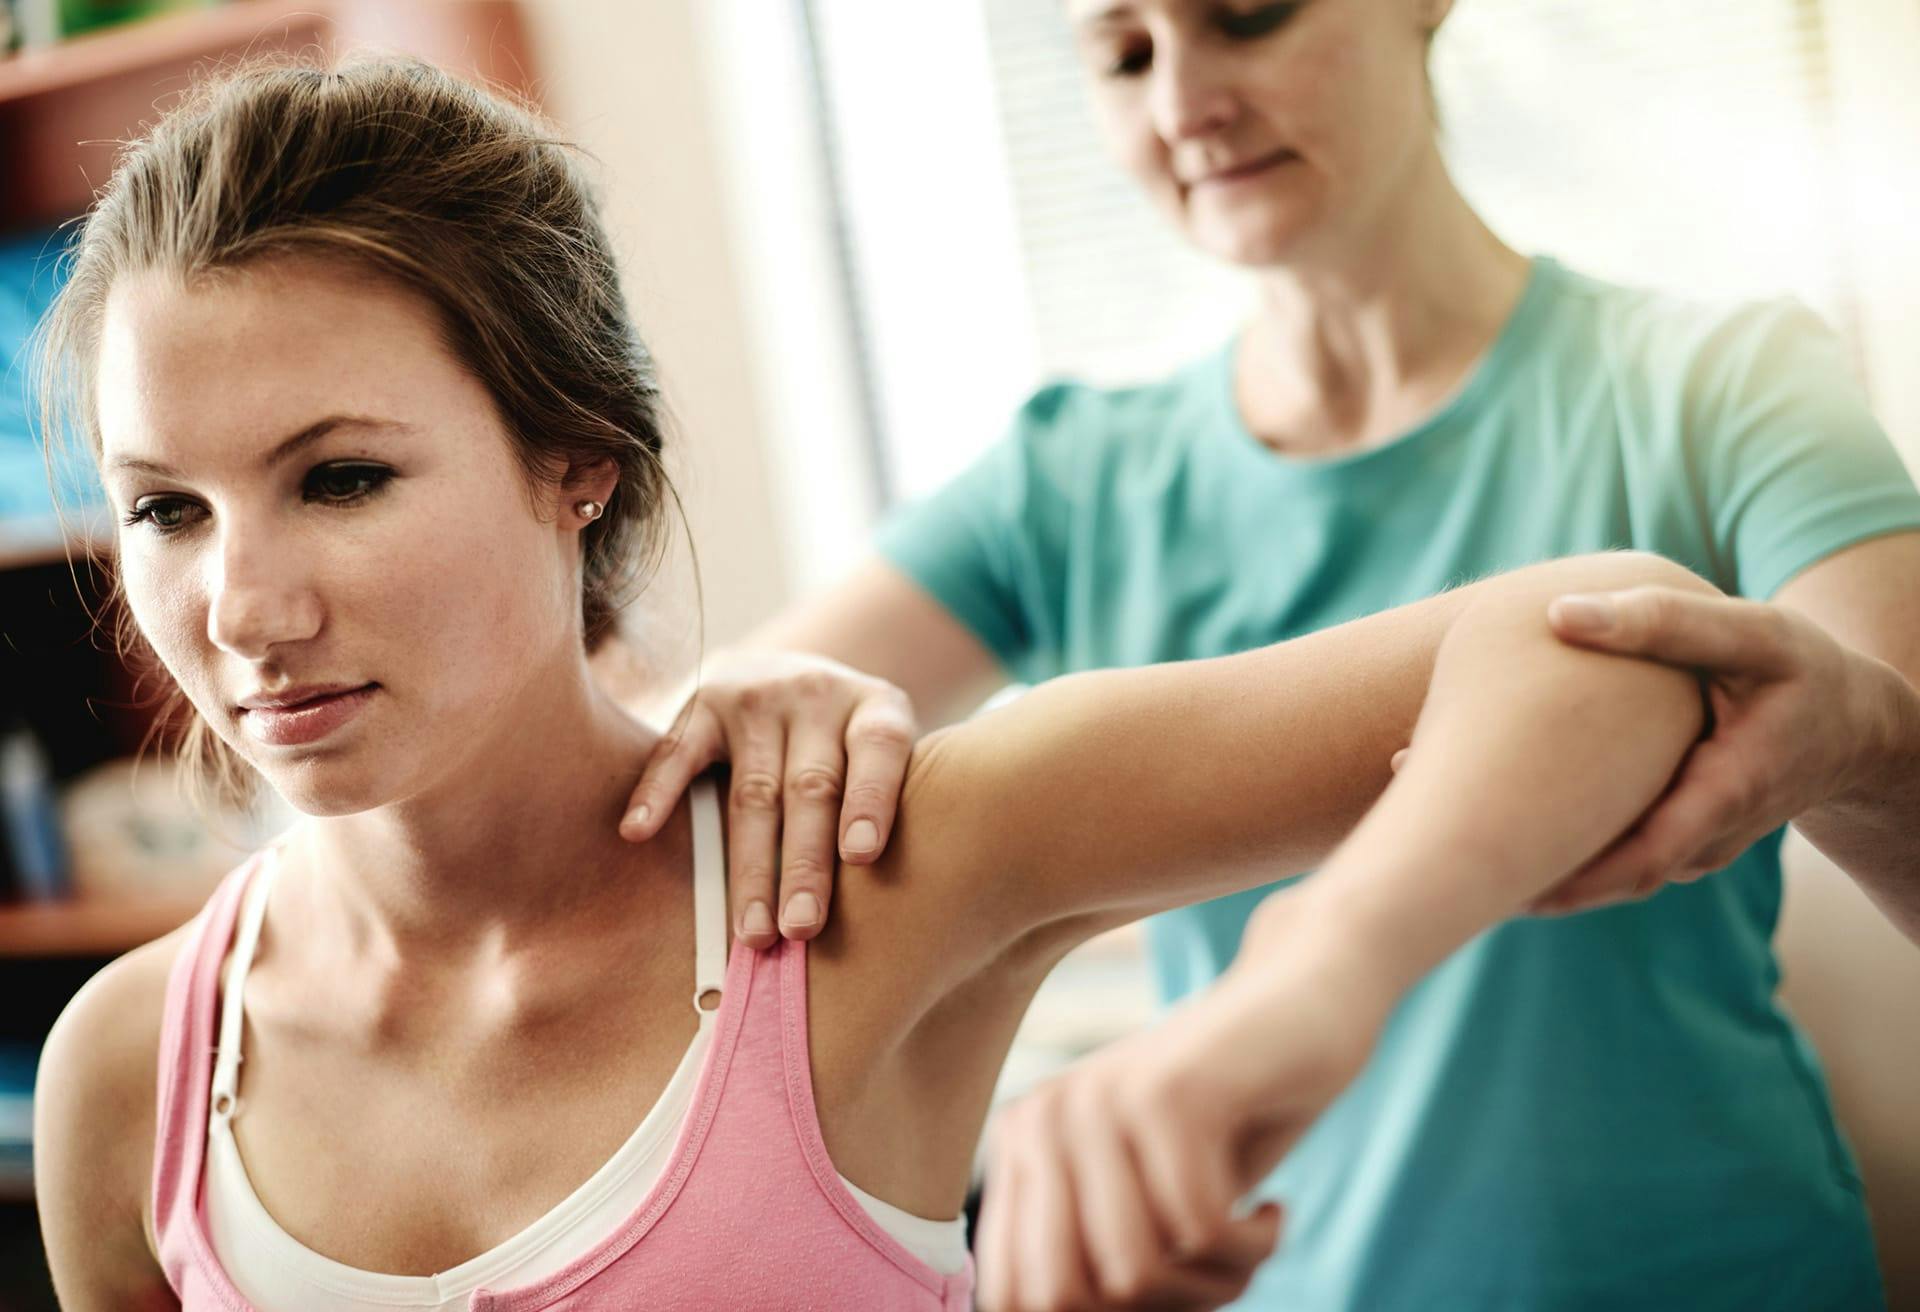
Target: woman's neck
516, 841
1381, 323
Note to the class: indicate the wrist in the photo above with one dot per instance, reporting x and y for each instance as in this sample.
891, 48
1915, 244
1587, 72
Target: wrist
1306, 942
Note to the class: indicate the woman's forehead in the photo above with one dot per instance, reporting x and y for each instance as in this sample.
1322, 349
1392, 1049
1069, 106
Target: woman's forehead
256, 356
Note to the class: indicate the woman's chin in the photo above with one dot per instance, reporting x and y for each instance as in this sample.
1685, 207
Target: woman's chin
1252, 236
323, 790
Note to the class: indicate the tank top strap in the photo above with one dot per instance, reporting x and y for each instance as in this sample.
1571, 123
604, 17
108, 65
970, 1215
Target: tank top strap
186, 1050
246, 938
709, 900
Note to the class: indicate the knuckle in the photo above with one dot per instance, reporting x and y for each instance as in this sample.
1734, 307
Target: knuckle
815, 783
881, 732
1775, 625
756, 790
812, 685
870, 798
805, 870
1645, 612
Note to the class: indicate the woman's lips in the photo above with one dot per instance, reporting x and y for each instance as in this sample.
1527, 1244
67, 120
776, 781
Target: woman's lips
1251, 168
305, 722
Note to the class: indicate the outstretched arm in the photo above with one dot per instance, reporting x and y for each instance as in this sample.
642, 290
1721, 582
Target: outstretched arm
1529, 757
1103, 797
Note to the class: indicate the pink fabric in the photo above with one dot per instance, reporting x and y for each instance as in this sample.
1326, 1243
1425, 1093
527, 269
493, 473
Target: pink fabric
749, 1214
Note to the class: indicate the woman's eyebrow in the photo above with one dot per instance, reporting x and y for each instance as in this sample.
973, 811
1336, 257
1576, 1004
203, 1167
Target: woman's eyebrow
284, 450
1104, 16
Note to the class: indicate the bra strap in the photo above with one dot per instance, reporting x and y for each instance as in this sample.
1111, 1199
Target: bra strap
709, 899
226, 1065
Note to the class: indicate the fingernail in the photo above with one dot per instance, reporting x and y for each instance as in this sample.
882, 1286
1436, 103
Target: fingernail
1587, 614
803, 911
862, 836
758, 921
638, 817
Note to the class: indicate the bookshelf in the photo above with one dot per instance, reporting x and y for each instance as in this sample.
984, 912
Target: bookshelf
64, 109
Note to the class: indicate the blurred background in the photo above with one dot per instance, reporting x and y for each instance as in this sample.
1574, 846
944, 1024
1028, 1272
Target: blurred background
857, 233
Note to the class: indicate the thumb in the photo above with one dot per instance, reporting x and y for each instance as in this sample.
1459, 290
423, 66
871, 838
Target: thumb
1718, 634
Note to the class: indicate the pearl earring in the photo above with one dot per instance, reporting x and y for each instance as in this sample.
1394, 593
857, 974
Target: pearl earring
588, 509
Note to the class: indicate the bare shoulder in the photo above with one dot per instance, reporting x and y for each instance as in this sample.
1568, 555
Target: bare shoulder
94, 1108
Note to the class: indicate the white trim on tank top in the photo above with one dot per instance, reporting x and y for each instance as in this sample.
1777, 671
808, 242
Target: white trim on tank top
274, 1270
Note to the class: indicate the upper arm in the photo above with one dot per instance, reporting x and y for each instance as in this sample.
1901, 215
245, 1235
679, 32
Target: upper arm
93, 1137
1102, 797
1864, 596
878, 620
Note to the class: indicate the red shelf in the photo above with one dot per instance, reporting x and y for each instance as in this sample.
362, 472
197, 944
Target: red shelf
89, 927
155, 45
64, 109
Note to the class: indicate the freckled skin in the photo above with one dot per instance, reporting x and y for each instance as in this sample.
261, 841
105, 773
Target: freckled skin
451, 587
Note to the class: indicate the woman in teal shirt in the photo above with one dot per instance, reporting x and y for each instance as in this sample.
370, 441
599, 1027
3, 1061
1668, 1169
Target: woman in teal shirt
1606, 1110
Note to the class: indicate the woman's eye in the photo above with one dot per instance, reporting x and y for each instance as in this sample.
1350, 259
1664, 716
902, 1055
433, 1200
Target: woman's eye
1251, 23
164, 514
344, 483
1130, 62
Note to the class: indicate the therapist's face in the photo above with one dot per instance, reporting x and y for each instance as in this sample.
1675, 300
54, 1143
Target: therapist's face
1266, 131
320, 508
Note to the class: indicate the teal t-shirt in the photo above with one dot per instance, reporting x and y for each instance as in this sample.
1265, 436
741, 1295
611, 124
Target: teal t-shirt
1607, 1110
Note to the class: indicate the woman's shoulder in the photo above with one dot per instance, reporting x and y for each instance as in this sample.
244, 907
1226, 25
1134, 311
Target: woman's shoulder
94, 1114
1655, 335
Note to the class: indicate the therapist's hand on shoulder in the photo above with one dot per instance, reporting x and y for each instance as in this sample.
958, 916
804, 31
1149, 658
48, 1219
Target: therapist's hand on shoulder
819, 755
1119, 1183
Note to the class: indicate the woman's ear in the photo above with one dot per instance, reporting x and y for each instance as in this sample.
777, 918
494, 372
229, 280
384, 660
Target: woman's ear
587, 490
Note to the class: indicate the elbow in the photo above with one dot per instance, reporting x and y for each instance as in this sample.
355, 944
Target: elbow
1507, 629
1614, 571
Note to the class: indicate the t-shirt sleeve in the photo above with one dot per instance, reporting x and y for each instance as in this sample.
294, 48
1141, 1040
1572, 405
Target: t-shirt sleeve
1793, 464
979, 546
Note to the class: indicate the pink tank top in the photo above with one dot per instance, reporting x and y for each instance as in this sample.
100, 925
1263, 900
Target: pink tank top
749, 1215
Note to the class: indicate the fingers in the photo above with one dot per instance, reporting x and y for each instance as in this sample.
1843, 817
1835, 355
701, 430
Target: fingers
1719, 634
997, 1268
1052, 1270
753, 829
695, 742
808, 848
1065, 1223
1122, 1241
1400, 758
1190, 1185
879, 743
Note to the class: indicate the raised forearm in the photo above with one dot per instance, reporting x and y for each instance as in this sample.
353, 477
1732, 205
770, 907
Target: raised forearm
1529, 757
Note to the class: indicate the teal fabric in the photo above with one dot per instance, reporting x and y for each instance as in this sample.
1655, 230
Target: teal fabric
1604, 1111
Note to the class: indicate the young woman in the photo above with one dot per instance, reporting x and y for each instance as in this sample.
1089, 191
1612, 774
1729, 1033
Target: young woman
1409, 403
351, 351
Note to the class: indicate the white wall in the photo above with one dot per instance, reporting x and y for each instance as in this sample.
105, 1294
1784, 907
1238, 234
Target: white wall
628, 82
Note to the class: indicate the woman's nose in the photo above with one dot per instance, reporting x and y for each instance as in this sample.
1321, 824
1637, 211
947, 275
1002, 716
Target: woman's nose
260, 594
1188, 97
